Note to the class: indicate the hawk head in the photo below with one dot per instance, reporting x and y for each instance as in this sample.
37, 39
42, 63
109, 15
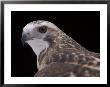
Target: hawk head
39, 35
42, 30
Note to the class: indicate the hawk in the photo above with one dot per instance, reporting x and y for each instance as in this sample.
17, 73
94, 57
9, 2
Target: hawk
58, 55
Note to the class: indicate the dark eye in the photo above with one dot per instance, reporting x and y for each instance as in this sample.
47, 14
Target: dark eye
43, 29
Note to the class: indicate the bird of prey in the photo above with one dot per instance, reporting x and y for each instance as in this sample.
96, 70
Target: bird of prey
58, 55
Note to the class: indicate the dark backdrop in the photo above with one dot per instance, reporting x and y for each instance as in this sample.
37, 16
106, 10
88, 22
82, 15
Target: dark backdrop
83, 26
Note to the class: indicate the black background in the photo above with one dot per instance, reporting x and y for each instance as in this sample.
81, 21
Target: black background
83, 26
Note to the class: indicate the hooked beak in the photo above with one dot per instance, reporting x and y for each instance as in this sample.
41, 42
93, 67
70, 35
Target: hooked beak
24, 38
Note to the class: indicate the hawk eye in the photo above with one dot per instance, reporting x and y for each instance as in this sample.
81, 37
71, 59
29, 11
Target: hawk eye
43, 29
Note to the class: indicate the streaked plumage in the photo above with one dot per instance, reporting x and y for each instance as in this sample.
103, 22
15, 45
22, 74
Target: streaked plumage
58, 54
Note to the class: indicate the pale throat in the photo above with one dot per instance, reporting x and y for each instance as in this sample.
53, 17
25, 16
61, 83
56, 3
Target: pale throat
38, 45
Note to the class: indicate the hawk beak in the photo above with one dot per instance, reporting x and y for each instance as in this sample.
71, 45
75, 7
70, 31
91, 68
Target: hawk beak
24, 39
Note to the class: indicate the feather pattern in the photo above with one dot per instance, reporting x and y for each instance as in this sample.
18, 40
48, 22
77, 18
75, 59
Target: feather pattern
60, 55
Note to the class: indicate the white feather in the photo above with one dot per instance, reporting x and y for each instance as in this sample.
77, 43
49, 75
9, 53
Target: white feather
38, 45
